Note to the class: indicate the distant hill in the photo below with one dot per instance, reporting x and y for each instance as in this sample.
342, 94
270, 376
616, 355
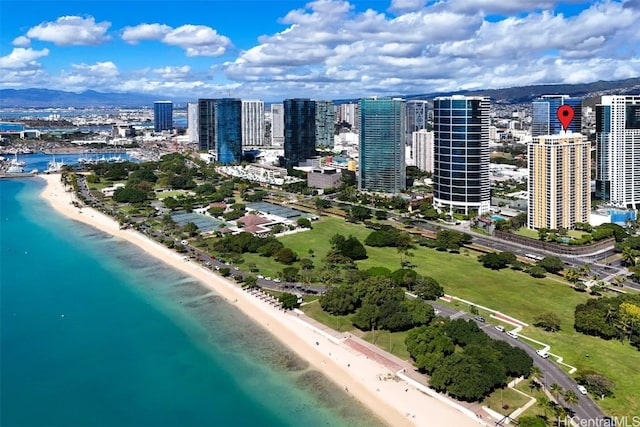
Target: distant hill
525, 94
39, 98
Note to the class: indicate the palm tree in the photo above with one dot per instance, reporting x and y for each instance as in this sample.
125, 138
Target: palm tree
572, 275
629, 256
570, 397
544, 403
556, 390
535, 373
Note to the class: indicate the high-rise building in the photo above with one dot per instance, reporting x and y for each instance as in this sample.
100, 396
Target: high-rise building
206, 124
545, 120
193, 122
220, 128
559, 181
382, 147
252, 123
417, 113
277, 125
461, 154
618, 150
299, 130
349, 113
422, 149
228, 129
162, 116
325, 124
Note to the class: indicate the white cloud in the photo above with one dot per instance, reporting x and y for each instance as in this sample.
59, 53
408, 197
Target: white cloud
406, 5
173, 73
99, 69
71, 30
198, 40
22, 59
21, 41
145, 32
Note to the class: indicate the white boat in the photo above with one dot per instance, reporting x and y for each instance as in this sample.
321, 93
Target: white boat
14, 168
16, 162
54, 167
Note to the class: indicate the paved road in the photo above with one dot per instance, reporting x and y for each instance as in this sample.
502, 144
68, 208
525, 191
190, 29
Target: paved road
586, 409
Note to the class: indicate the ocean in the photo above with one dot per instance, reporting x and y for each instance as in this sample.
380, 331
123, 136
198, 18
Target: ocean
96, 333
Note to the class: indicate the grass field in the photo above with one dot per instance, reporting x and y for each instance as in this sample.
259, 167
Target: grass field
505, 401
512, 292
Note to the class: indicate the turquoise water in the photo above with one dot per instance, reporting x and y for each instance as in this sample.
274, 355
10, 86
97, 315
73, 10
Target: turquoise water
497, 217
96, 333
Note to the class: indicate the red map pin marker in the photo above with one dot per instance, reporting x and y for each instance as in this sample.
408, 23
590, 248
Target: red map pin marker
565, 115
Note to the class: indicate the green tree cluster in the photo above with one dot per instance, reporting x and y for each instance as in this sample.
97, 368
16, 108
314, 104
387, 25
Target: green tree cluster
462, 360
349, 247
610, 317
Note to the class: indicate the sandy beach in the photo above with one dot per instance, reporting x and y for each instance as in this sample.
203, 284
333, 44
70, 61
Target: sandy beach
337, 356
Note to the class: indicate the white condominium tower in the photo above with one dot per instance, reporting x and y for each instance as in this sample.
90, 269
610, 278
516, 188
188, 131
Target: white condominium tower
277, 125
422, 149
559, 180
252, 123
618, 150
193, 122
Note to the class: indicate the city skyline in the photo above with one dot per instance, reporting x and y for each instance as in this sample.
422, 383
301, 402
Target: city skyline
325, 49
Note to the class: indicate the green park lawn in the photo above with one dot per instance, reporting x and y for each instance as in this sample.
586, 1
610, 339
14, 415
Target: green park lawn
512, 292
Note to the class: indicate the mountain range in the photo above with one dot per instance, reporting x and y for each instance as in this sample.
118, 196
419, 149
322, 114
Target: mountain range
42, 98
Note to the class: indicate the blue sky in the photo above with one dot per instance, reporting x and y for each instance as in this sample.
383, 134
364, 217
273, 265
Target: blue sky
323, 49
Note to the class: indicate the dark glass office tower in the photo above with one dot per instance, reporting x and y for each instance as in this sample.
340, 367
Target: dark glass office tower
545, 120
162, 116
461, 154
206, 124
382, 133
299, 130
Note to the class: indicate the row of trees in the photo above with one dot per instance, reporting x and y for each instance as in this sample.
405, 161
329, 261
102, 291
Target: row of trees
462, 360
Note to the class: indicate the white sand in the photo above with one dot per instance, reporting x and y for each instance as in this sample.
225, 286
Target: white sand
394, 401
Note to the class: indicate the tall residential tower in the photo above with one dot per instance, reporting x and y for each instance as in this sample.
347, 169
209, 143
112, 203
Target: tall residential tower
618, 150
559, 181
382, 145
461, 154
299, 130
162, 116
252, 123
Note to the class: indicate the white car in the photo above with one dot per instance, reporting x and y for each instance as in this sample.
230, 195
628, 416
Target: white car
512, 335
276, 280
542, 354
260, 276
499, 328
582, 389
267, 278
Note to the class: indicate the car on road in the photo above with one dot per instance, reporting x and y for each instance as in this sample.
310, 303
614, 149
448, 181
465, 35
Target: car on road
260, 276
543, 354
267, 278
512, 335
582, 389
276, 280
499, 328
480, 319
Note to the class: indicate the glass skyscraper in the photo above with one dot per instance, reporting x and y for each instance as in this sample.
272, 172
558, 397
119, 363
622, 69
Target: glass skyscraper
545, 120
461, 154
382, 145
299, 130
206, 124
228, 129
162, 116
618, 150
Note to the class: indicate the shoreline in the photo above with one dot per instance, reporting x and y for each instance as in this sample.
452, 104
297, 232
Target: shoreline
368, 380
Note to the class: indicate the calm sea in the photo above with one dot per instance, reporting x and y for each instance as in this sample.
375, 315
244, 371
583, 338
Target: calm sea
96, 333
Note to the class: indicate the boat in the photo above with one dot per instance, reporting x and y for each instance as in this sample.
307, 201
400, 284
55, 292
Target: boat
15, 168
54, 167
16, 162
